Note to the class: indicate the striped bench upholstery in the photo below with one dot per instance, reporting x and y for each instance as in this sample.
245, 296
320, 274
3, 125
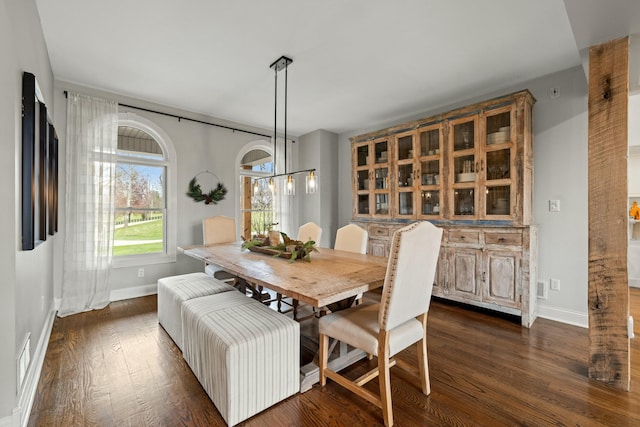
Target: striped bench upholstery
245, 355
174, 290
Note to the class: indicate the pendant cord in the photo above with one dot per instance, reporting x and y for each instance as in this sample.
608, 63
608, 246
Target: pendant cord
286, 84
275, 123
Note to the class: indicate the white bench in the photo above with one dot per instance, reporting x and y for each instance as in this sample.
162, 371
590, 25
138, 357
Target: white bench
245, 355
174, 290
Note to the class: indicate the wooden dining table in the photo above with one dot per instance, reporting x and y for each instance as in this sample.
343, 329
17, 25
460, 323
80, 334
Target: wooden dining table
329, 277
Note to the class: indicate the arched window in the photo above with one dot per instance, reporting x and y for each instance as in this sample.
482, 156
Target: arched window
256, 201
145, 223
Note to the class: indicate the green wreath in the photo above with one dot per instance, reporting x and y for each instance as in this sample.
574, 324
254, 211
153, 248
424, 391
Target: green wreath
213, 196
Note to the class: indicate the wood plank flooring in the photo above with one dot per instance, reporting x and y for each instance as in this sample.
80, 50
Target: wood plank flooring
634, 309
117, 366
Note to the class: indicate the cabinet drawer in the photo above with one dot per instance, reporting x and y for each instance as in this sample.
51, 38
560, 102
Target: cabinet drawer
503, 239
378, 231
460, 236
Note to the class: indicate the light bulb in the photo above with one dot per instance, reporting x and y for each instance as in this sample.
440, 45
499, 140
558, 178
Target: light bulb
290, 187
271, 185
312, 182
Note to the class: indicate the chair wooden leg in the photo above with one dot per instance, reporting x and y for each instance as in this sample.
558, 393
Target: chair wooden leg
324, 356
384, 380
423, 359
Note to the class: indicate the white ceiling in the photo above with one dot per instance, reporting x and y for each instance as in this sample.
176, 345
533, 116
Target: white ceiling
355, 62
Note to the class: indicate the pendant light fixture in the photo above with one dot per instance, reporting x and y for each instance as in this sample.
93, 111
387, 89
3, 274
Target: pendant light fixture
278, 65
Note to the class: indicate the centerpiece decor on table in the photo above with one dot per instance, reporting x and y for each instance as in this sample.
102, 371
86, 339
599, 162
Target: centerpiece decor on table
281, 246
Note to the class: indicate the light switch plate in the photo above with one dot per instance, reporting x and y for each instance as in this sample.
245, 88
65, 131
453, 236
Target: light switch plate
554, 205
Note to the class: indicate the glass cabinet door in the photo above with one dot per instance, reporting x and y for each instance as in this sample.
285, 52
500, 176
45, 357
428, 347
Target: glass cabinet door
405, 203
404, 147
430, 142
463, 167
430, 172
464, 201
371, 162
362, 164
381, 191
430, 201
496, 166
362, 155
405, 174
363, 204
464, 135
382, 204
381, 150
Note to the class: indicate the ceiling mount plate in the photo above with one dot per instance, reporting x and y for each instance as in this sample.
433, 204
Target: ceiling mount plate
280, 63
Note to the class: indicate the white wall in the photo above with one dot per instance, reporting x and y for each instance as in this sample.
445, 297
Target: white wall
8, 160
26, 298
560, 156
319, 150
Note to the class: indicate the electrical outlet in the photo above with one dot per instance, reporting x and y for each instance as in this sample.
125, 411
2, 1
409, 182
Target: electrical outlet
554, 92
542, 289
554, 205
555, 284
141, 272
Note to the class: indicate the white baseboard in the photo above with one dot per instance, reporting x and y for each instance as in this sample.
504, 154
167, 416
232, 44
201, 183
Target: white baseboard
12, 420
27, 393
138, 291
563, 315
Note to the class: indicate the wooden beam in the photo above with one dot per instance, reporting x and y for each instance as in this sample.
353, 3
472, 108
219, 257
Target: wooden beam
609, 359
247, 192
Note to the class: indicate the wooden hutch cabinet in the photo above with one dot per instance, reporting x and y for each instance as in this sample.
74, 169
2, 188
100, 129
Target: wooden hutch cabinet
469, 171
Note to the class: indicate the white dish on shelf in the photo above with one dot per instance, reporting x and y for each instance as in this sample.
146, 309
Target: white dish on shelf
498, 137
465, 177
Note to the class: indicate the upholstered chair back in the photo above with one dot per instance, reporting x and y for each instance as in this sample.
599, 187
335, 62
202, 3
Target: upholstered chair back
310, 231
352, 238
218, 229
410, 273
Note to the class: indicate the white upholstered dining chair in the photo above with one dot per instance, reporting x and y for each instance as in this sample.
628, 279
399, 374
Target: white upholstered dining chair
352, 238
218, 229
398, 321
310, 231
222, 229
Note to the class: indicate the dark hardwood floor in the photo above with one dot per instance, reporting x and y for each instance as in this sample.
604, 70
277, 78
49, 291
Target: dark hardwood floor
117, 366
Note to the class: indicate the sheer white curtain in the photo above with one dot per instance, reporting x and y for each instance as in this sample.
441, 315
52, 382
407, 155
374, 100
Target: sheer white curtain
92, 143
283, 203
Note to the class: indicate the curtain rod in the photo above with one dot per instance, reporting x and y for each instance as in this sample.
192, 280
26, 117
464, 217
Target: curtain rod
191, 120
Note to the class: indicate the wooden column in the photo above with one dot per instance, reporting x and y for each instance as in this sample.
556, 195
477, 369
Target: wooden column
247, 192
609, 359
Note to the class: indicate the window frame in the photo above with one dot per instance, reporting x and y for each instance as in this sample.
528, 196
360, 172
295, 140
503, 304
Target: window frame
170, 208
241, 173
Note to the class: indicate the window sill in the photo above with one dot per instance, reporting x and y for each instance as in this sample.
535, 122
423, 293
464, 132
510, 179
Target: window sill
136, 260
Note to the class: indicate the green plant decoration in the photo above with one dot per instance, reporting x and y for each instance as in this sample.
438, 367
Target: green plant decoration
213, 196
289, 248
